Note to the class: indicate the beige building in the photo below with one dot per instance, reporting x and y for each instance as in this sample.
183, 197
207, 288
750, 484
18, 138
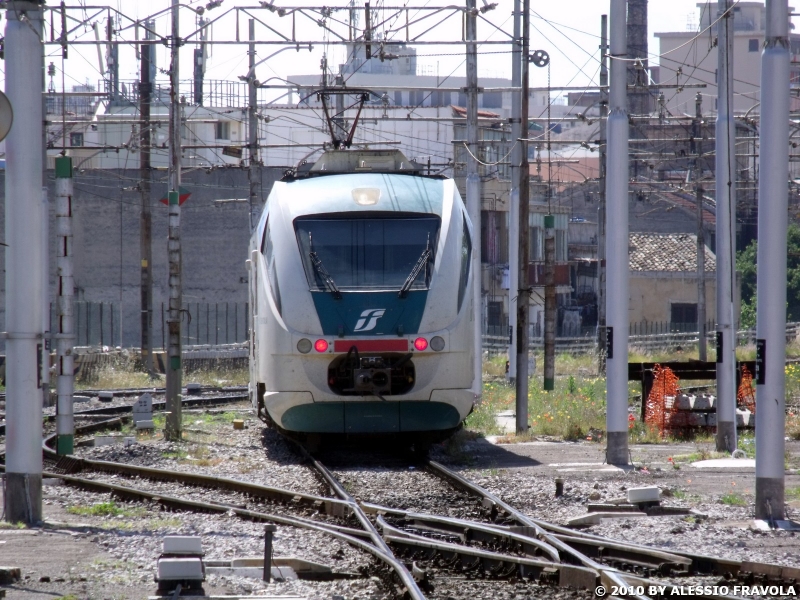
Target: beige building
663, 279
695, 54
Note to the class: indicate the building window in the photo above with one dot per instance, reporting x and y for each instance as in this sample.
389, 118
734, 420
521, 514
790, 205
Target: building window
492, 100
398, 98
535, 250
752, 45
222, 130
494, 237
76, 139
496, 322
683, 313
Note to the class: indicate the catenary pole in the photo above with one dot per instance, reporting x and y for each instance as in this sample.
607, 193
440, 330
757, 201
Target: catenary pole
523, 292
617, 245
601, 204
701, 233
65, 379
550, 309
146, 220
474, 187
771, 293
513, 209
725, 235
252, 130
24, 261
174, 368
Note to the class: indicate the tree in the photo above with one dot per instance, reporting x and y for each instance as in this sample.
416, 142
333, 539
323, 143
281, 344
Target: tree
746, 265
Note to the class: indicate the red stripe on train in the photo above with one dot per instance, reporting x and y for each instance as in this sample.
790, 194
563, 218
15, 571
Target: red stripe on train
375, 345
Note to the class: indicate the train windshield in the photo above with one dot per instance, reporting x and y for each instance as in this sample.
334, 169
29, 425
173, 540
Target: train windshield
369, 253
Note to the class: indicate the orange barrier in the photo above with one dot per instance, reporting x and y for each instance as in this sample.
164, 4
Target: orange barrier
660, 401
746, 396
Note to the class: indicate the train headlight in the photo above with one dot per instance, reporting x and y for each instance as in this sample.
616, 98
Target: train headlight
437, 343
366, 196
320, 345
304, 346
421, 344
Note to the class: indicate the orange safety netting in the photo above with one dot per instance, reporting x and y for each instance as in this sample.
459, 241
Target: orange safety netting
658, 409
745, 396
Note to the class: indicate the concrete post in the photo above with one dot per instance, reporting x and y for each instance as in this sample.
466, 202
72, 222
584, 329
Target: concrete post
146, 219
65, 340
252, 130
550, 311
701, 232
24, 261
617, 246
725, 235
601, 204
771, 294
174, 368
474, 189
513, 209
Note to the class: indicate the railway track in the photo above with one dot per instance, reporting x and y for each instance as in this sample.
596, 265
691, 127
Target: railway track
456, 534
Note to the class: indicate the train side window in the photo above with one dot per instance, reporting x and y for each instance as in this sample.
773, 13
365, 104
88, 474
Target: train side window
466, 254
269, 258
266, 242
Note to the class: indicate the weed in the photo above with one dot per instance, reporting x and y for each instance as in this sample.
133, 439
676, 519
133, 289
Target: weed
733, 499
17, 525
679, 494
106, 509
176, 455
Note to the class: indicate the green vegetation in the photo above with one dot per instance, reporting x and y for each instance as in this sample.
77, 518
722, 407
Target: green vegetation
733, 499
106, 509
746, 263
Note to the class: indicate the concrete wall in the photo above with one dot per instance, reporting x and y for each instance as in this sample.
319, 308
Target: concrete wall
652, 294
106, 208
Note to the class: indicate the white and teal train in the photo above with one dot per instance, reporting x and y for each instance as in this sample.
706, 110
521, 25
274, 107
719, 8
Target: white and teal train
360, 288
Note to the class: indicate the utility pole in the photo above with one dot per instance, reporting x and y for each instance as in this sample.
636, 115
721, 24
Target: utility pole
701, 235
65, 382
474, 188
24, 84
725, 235
252, 133
601, 203
146, 220
550, 311
771, 293
513, 215
617, 246
524, 292
174, 369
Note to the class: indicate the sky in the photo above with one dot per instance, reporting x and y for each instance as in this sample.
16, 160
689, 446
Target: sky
568, 30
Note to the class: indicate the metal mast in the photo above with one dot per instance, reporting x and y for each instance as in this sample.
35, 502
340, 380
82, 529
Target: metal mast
174, 367
701, 234
771, 293
24, 262
252, 129
617, 245
601, 204
146, 223
524, 292
725, 235
513, 209
474, 185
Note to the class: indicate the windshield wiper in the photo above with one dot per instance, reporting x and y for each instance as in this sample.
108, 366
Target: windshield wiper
421, 263
322, 271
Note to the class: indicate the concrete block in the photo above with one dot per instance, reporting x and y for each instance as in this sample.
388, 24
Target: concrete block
78, 399
143, 405
684, 402
181, 569
238, 424
704, 402
145, 424
743, 417
107, 440
596, 517
182, 544
711, 419
696, 419
130, 441
194, 388
9, 575
644, 494
105, 396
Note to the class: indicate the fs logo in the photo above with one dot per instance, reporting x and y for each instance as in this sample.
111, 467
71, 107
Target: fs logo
369, 319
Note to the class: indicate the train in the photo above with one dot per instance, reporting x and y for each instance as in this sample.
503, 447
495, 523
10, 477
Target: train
361, 300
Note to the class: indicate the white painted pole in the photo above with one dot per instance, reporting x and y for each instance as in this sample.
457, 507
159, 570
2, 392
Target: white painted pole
474, 189
65, 382
771, 294
725, 235
513, 208
617, 244
24, 260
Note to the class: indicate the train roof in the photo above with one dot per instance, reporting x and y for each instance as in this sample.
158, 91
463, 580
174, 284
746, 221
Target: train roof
340, 161
360, 192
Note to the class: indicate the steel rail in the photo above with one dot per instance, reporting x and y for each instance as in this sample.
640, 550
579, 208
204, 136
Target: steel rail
468, 530
544, 571
609, 577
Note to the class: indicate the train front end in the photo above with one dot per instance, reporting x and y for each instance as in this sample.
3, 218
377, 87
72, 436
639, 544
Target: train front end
362, 316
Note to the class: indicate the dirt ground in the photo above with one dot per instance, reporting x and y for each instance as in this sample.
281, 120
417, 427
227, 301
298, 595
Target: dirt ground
63, 557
